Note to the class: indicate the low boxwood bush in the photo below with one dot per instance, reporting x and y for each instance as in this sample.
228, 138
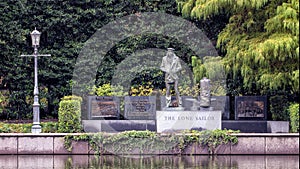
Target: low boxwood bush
15, 128
294, 116
69, 115
47, 127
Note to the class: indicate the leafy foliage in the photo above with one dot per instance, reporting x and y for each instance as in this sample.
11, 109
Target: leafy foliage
3, 101
261, 41
212, 68
211, 138
65, 27
47, 127
68, 140
279, 107
108, 90
294, 116
69, 115
147, 141
142, 90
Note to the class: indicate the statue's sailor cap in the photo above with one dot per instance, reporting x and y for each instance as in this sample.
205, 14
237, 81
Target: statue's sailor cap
170, 49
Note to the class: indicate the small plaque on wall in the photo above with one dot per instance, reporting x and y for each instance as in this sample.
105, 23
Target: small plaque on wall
100, 107
140, 107
251, 108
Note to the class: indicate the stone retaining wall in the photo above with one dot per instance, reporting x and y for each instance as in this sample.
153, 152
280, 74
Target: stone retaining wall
53, 144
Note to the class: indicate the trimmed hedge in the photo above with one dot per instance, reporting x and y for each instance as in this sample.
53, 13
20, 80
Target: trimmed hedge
69, 115
294, 116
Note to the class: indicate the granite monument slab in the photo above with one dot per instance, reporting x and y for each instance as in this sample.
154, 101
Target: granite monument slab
100, 107
221, 103
140, 107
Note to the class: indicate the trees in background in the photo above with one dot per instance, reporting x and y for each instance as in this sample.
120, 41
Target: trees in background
65, 27
260, 42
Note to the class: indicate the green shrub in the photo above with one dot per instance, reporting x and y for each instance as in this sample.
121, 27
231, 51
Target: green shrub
4, 128
69, 115
141, 90
3, 101
72, 97
108, 90
47, 127
15, 128
294, 116
279, 107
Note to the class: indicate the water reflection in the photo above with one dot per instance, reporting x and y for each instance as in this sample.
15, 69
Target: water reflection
147, 162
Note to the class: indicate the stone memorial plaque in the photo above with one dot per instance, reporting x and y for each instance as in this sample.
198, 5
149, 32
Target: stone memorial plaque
221, 103
174, 121
140, 107
103, 107
251, 108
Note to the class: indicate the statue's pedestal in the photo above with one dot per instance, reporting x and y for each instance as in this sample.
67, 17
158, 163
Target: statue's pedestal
176, 121
206, 108
173, 108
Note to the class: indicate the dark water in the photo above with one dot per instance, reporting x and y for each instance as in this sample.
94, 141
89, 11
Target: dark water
148, 162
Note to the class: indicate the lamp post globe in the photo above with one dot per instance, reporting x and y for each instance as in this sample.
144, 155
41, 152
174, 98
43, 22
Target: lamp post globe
35, 37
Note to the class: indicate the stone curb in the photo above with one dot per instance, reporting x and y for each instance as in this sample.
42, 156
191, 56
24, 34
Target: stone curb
53, 144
